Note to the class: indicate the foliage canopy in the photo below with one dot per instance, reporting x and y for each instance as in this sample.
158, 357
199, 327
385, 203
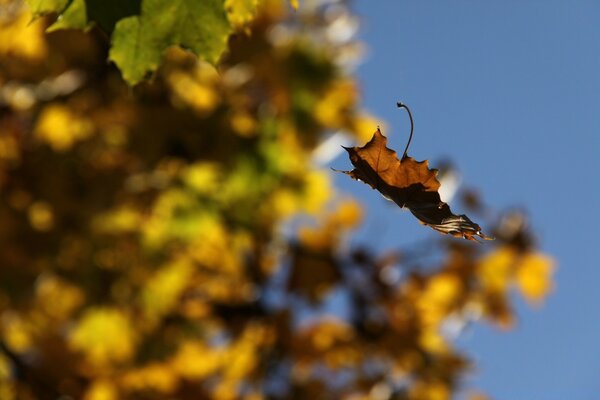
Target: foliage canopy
146, 247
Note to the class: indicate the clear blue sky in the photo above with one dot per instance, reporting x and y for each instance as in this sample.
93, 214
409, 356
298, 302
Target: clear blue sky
510, 91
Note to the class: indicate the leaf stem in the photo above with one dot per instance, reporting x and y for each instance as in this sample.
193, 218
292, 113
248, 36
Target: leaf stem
412, 126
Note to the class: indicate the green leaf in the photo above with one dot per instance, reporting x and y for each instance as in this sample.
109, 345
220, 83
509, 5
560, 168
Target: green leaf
138, 42
42, 7
79, 14
74, 16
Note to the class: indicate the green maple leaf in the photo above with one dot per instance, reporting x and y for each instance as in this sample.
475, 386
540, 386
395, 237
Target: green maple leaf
138, 42
80, 14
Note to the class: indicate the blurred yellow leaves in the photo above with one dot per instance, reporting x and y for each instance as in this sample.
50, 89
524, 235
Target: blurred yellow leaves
104, 336
534, 276
17, 332
101, 389
58, 298
161, 293
160, 377
195, 360
7, 391
345, 216
203, 177
41, 216
19, 36
440, 297
241, 12
334, 108
60, 128
196, 88
531, 271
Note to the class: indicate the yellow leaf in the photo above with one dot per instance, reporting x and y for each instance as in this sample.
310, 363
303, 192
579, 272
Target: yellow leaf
101, 389
243, 124
496, 268
104, 335
433, 341
348, 214
316, 192
22, 37
7, 389
60, 128
241, 12
57, 297
196, 89
534, 276
335, 105
41, 216
194, 360
157, 376
161, 293
202, 177
440, 295
17, 332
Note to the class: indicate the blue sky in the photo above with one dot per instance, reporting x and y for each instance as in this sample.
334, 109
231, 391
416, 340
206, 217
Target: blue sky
510, 92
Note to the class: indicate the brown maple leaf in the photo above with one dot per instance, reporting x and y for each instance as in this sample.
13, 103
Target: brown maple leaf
410, 184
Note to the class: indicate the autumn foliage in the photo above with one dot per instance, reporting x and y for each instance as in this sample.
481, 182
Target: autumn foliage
165, 240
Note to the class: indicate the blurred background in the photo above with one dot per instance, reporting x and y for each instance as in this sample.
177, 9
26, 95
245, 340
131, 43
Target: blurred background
510, 93
172, 228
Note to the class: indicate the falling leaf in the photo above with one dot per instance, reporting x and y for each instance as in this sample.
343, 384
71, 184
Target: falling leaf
410, 184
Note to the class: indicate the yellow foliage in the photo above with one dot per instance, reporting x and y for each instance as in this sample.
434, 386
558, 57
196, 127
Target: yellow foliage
20, 36
164, 224
196, 89
214, 249
496, 268
365, 125
284, 203
101, 389
530, 271
163, 290
433, 341
333, 107
170, 217
430, 391
195, 360
159, 377
317, 191
534, 276
104, 336
439, 297
7, 390
41, 216
226, 390
243, 124
241, 12
60, 128
348, 214
17, 332
57, 297
123, 219
202, 177
329, 332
